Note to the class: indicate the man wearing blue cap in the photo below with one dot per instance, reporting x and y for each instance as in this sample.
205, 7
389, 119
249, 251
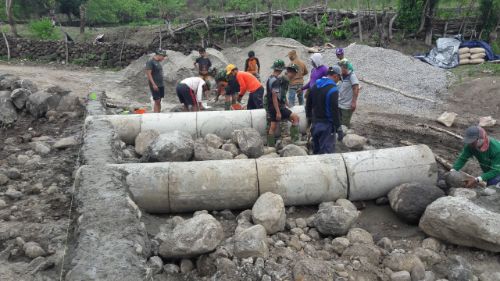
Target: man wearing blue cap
323, 113
486, 150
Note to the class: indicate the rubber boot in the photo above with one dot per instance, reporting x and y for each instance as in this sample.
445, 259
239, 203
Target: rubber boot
227, 105
271, 141
294, 133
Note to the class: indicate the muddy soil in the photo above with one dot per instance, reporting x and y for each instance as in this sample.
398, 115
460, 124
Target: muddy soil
40, 210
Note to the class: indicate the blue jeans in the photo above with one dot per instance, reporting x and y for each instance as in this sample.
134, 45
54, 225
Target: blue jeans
292, 95
494, 181
323, 138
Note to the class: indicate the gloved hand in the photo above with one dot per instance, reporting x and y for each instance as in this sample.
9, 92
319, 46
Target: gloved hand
340, 135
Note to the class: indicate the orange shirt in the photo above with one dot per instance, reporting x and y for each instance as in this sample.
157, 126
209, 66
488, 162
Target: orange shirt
247, 82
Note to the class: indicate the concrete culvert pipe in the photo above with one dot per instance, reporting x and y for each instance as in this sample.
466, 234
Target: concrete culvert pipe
303, 180
198, 124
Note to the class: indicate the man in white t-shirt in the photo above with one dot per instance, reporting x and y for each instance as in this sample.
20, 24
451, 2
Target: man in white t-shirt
348, 95
190, 93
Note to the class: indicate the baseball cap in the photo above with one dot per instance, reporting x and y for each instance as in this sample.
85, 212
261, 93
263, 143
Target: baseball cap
334, 70
229, 68
293, 67
161, 52
472, 134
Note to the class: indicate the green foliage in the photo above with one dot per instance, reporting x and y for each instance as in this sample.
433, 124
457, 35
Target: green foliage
116, 11
86, 59
344, 32
168, 8
69, 6
495, 46
300, 30
261, 32
409, 13
240, 5
490, 15
43, 29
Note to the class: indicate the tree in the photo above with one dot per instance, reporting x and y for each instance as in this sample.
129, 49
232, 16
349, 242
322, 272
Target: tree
490, 17
83, 16
10, 17
69, 7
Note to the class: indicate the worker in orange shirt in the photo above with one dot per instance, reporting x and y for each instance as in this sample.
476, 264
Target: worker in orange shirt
250, 83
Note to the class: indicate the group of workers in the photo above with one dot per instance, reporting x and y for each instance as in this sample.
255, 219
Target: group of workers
330, 99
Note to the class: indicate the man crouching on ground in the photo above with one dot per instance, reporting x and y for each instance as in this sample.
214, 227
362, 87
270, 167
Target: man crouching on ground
190, 93
154, 72
277, 87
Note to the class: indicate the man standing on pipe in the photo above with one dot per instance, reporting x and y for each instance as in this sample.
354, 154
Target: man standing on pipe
486, 150
322, 112
154, 73
247, 82
190, 93
276, 89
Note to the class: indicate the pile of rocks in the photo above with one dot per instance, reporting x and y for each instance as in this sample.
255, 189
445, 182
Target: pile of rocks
21, 95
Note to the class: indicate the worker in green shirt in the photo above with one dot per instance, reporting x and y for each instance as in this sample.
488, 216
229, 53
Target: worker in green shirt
486, 150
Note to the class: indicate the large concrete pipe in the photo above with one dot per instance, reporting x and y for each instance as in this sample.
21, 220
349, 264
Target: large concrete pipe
198, 124
304, 180
373, 173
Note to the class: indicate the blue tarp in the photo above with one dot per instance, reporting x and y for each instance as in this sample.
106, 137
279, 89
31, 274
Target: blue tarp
481, 44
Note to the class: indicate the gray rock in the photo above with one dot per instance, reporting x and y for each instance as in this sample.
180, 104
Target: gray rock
3, 205
397, 261
25, 84
198, 235
156, 264
463, 192
455, 179
7, 82
459, 269
340, 244
186, 266
42, 101
269, 150
358, 235
401, 276
144, 140
354, 141
428, 257
460, 221
33, 250
66, 142
241, 156
231, 147
269, 211
8, 114
432, 244
251, 242
213, 141
382, 201
409, 200
489, 276
14, 174
69, 102
203, 152
292, 150
40, 147
249, 141
3, 179
335, 218
270, 155
310, 269
418, 272
13, 194
19, 97
429, 276
370, 252
171, 268
385, 243
172, 146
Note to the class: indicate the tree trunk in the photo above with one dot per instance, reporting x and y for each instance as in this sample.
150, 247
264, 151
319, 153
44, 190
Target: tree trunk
10, 17
82, 18
6, 45
270, 9
391, 23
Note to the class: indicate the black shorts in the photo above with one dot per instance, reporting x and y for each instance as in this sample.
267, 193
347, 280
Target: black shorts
158, 95
285, 114
186, 95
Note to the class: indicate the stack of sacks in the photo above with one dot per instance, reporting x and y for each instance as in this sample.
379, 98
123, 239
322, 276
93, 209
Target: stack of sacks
471, 55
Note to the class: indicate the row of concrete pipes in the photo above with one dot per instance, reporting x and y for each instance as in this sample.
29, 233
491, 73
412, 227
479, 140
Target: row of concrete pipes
175, 187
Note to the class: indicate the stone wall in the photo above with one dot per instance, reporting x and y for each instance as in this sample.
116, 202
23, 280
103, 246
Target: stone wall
86, 54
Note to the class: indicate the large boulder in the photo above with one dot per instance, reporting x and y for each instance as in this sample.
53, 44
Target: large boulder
193, 237
7, 82
409, 200
269, 211
172, 146
335, 218
462, 222
42, 101
354, 141
204, 152
8, 114
214, 141
144, 140
251, 242
293, 150
249, 141
69, 102
19, 97
25, 84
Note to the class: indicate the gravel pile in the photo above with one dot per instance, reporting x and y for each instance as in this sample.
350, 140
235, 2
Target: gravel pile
394, 69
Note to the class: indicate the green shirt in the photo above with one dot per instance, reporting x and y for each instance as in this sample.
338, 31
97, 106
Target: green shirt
488, 160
